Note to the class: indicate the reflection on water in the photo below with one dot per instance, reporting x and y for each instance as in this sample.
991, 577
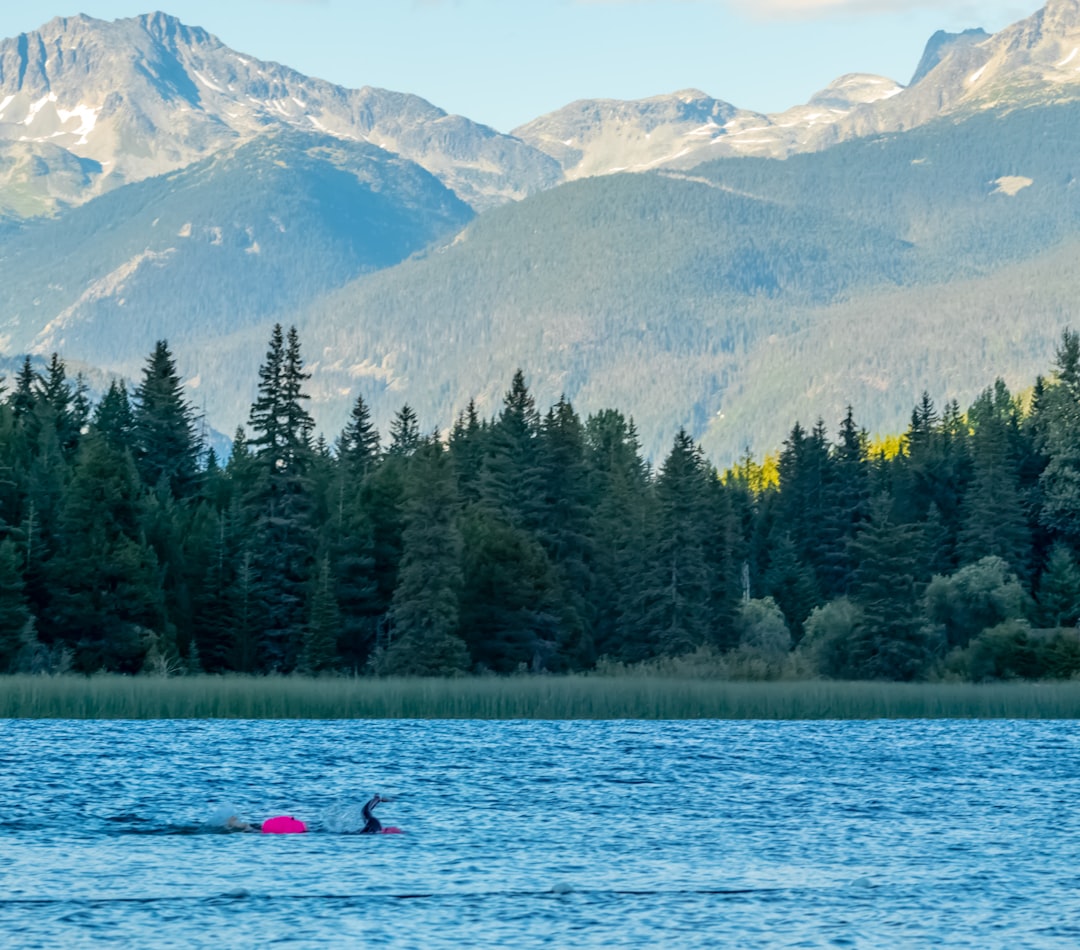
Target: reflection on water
698, 834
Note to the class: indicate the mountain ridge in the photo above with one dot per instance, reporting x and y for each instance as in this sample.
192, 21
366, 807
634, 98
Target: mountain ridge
145, 95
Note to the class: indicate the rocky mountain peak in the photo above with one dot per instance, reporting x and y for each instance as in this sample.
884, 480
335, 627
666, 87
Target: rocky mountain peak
940, 44
124, 100
171, 32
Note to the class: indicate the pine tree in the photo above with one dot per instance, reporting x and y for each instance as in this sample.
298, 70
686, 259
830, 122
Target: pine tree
424, 613
27, 390
324, 624
564, 531
103, 577
113, 417
404, 433
280, 503
621, 516
510, 609
791, 583
993, 521
677, 594
16, 621
166, 446
1059, 589
846, 497
894, 643
358, 444
1061, 479
511, 480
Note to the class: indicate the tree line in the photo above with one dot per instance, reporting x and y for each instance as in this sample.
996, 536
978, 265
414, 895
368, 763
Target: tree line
531, 541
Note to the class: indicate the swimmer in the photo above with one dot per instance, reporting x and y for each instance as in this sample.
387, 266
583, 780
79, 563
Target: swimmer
373, 826
236, 823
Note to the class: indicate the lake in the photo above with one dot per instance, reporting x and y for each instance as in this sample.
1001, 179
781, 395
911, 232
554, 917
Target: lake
528, 834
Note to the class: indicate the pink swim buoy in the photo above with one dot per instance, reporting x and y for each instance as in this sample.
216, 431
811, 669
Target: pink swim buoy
283, 825
391, 831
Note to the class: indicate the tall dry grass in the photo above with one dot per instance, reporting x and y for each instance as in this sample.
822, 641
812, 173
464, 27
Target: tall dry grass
543, 697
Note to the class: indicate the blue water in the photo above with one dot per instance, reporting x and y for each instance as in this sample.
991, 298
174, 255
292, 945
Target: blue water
560, 834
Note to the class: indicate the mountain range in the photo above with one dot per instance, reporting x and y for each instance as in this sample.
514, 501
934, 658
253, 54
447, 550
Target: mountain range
879, 240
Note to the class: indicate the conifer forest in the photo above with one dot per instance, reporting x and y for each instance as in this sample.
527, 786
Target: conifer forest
532, 541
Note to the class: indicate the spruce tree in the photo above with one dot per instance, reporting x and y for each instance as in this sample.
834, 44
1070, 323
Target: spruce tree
358, 444
104, 578
511, 481
993, 520
349, 536
1060, 481
215, 620
280, 503
27, 391
166, 445
846, 497
16, 621
113, 417
1059, 589
324, 624
620, 522
468, 444
564, 530
424, 613
677, 592
404, 433
893, 643
791, 584
510, 609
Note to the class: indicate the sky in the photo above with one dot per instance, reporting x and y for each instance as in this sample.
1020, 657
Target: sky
504, 62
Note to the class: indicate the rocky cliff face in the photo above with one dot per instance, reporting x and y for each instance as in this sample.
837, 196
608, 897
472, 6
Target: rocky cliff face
102, 104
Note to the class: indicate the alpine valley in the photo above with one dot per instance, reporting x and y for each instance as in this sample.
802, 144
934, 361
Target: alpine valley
685, 260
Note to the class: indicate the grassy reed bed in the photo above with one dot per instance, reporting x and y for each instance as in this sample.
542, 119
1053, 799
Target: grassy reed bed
547, 697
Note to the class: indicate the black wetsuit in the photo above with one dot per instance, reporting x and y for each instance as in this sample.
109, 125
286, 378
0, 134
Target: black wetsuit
373, 825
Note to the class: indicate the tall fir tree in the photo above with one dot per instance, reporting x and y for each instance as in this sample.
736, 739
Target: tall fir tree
358, 444
424, 613
16, 621
893, 643
1060, 481
113, 417
676, 594
620, 522
324, 624
165, 442
1059, 589
280, 504
993, 519
104, 578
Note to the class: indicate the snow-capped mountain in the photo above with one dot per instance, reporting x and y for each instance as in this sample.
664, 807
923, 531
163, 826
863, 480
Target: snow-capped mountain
602, 136
1035, 60
88, 105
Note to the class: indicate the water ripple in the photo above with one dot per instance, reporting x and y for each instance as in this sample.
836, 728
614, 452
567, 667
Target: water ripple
702, 834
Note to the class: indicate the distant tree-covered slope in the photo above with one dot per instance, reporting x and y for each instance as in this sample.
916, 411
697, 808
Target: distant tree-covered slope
697, 296
225, 244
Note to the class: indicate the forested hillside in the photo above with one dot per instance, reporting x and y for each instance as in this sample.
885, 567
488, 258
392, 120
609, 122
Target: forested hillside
224, 245
743, 293
532, 540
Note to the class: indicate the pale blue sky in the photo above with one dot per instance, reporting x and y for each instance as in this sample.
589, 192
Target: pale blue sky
504, 62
